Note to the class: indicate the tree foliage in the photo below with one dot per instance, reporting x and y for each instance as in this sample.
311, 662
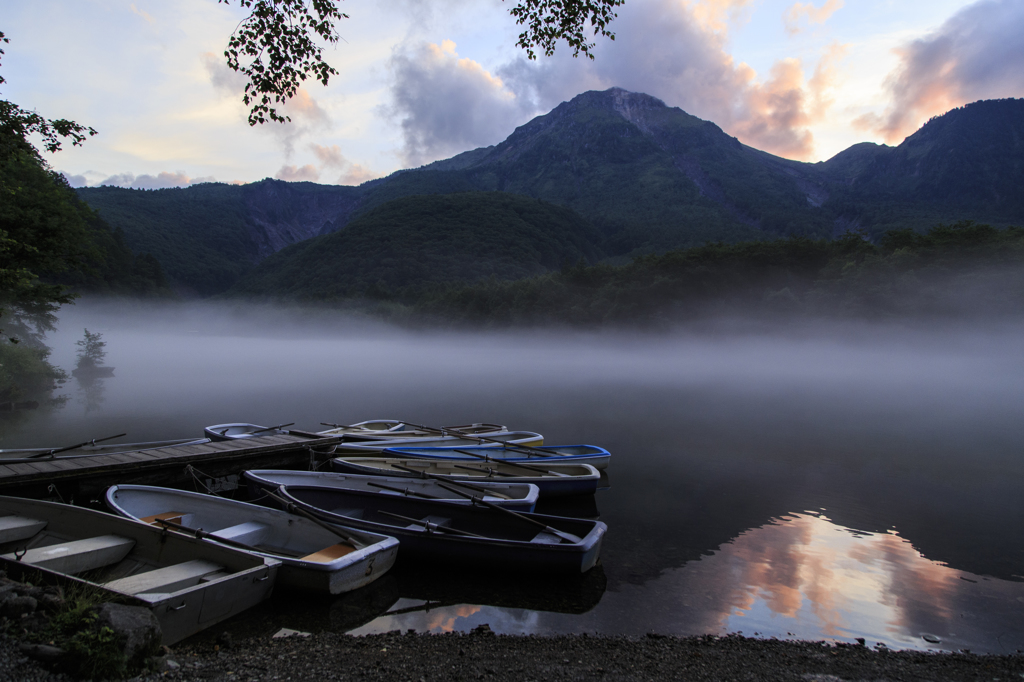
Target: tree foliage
548, 21
276, 47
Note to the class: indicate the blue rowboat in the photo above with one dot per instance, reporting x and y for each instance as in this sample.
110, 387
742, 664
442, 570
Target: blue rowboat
440, 533
516, 496
553, 480
595, 456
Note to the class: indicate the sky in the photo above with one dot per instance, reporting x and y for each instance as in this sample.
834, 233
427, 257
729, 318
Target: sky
421, 81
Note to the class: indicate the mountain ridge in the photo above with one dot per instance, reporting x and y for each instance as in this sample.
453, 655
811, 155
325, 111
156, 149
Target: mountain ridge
647, 176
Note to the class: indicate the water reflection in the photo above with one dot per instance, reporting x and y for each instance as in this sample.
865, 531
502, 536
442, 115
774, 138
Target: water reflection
917, 429
800, 576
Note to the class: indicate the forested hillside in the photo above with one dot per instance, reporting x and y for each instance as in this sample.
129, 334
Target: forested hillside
958, 269
404, 245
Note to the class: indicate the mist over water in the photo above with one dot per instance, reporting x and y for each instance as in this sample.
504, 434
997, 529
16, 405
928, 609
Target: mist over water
825, 479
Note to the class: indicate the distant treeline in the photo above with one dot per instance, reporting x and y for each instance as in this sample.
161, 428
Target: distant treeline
965, 267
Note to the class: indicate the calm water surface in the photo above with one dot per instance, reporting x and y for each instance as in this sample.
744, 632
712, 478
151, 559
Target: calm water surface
810, 481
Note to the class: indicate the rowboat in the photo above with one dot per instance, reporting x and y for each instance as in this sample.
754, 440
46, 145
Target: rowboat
433, 533
376, 445
188, 584
390, 427
219, 432
597, 457
552, 480
520, 497
312, 557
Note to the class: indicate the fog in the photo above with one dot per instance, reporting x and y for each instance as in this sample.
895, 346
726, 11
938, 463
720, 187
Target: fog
719, 431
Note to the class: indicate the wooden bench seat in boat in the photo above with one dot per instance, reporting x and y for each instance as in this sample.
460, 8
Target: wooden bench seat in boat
166, 579
172, 516
329, 554
14, 528
248, 533
78, 556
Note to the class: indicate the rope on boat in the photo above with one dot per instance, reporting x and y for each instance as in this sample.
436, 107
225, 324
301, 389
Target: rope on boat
192, 471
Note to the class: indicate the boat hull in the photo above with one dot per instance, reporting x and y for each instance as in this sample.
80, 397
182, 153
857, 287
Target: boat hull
523, 496
510, 544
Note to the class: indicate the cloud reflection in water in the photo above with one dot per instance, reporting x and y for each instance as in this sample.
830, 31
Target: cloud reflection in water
799, 576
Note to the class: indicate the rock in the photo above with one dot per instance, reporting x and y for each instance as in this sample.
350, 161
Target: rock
51, 603
482, 629
136, 628
42, 652
285, 632
165, 664
16, 607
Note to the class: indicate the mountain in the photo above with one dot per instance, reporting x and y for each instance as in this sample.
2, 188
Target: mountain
208, 235
420, 240
966, 164
647, 178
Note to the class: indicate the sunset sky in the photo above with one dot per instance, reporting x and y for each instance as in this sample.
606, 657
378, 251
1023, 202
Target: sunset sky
423, 80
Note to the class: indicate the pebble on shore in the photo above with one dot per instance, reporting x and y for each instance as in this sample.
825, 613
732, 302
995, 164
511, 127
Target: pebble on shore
485, 656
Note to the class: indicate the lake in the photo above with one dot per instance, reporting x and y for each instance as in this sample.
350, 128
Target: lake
812, 480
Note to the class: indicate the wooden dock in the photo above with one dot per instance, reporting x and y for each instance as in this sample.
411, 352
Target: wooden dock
215, 466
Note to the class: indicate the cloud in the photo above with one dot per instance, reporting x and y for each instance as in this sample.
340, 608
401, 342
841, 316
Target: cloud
149, 19
75, 180
445, 104
351, 173
307, 173
976, 54
716, 15
226, 81
307, 116
814, 15
161, 180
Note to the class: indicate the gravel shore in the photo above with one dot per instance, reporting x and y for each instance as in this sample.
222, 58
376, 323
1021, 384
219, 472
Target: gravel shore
485, 656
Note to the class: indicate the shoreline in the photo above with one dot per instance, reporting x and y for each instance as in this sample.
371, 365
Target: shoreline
483, 655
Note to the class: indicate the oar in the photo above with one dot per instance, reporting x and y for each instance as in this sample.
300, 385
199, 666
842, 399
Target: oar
490, 471
431, 527
269, 428
488, 458
202, 534
548, 529
463, 484
404, 491
53, 452
294, 509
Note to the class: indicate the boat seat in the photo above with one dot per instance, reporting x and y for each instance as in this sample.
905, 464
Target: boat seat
546, 538
249, 533
351, 513
166, 579
329, 554
78, 556
14, 528
172, 516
